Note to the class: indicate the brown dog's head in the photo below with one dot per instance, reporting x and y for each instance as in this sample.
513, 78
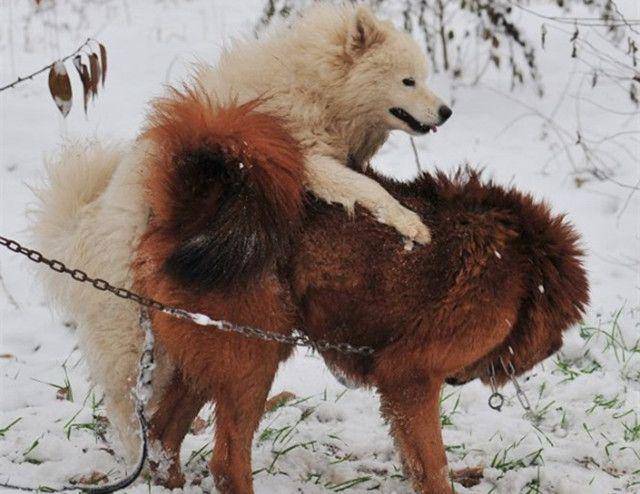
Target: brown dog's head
556, 287
503, 363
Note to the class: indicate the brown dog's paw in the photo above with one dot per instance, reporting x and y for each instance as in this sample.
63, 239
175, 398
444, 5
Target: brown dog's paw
174, 480
167, 474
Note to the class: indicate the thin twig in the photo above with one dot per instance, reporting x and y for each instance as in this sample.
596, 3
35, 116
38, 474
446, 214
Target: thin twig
10, 297
443, 36
628, 200
47, 67
580, 21
415, 154
623, 18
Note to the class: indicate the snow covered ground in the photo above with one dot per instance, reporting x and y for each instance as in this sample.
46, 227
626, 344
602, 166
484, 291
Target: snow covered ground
584, 436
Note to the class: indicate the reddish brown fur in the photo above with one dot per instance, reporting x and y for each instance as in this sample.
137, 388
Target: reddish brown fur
189, 120
444, 311
494, 249
225, 187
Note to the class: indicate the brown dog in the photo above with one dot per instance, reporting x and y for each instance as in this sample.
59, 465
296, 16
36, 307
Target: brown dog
230, 236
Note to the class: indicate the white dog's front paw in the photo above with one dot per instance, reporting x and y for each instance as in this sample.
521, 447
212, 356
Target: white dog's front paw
407, 223
416, 230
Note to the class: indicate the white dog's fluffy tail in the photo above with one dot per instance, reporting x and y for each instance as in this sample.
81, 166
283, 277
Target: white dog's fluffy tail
74, 180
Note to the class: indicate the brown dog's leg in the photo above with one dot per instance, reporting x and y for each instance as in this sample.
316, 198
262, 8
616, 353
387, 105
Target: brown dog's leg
176, 410
233, 371
412, 406
239, 407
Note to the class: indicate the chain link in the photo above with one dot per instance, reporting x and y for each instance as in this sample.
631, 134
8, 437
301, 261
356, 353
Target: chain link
496, 399
520, 394
295, 339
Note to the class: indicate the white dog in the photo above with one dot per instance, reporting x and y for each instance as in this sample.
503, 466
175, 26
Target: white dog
340, 79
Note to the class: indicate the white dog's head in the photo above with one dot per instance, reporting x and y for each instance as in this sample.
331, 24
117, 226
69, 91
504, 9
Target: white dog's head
387, 75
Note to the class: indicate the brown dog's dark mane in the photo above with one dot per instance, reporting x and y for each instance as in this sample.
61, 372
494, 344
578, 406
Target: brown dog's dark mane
556, 286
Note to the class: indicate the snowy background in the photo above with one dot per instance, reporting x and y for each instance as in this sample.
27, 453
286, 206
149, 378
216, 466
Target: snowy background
584, 436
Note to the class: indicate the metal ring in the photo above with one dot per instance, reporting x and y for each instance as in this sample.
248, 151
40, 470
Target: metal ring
496, 400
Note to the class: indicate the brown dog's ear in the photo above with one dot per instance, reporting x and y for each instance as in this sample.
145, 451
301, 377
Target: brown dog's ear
364, 32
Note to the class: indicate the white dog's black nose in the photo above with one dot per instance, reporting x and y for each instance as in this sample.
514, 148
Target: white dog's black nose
445, 112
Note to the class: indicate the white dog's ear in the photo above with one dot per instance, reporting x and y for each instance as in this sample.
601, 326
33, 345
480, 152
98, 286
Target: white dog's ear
364, 32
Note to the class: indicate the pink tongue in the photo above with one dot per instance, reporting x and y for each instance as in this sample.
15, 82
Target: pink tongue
434, 128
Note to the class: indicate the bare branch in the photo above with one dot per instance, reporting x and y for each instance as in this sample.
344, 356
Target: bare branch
581, 21
47, 67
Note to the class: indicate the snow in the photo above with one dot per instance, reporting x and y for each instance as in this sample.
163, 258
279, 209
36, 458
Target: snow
584, 433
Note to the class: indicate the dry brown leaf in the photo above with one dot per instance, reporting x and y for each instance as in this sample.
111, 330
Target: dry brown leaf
63, 393
468, 477
580, 181
199, 425
87, 87
77, 63
103, 61
93, 478
95, 73
108, 451
278, 400
7, 355
60, 87
83, 72
102, 420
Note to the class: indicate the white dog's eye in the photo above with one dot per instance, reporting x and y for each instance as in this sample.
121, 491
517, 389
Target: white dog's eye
409, 81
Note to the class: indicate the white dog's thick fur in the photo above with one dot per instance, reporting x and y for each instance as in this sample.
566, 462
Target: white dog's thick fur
91, 216
333, 77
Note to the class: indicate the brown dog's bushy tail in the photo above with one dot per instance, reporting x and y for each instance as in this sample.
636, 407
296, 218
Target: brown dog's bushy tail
225, 186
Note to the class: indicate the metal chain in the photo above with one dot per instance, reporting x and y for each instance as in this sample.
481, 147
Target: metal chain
146, 359
520, 394
496, 399
295, 339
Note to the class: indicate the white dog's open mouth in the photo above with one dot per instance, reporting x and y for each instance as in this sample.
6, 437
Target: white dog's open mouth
411, 121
